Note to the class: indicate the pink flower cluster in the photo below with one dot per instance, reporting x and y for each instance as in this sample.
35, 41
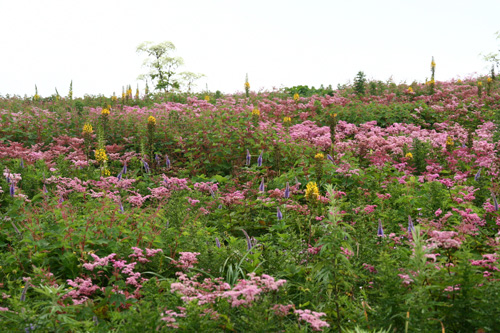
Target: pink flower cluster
345, 251
169, 317
186, 260
444, 239
406, 279
488, 262
313, 318
139, 254
84, 287
243, 293
232, 198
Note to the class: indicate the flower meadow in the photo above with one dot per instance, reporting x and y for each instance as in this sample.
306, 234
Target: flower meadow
355, 211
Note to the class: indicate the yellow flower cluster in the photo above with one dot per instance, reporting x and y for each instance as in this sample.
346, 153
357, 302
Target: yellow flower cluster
479, 84
151, 121
114, 98
207, 98
296, 97
410, 90
100, 155
409, 156
36, 97
106, 173
489, 80
87, 129
312, 191
256, 112
105, 112
287, 120
449, 141
247, 85
431, 82
319, 156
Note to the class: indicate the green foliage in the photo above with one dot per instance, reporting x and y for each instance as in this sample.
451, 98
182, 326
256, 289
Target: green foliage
305, 91
360, 83
162, 66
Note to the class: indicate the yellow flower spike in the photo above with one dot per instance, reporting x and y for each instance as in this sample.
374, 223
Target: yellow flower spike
319, 156
287, 120
449, 141
105, 112
247, 85
100, 155
479, 84
489, 80
409, 156
114, 98
106, 173
256, 112
312, 191
207, 98
151, 121
433, 64
296, 97
410, 90
87, 128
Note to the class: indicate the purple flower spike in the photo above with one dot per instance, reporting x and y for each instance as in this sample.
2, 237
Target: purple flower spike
287, 191
259, 160
7, 179
119, 177
12, 189
411, 228
478, 174
124, 170
157, 159
380, 231
279, 215
22, 163
61, 200
248, 158
146, 166
121, 208
262, 186
217, 242
329, 157
45, 189
167, 161
495, 203
249, 242
212, 192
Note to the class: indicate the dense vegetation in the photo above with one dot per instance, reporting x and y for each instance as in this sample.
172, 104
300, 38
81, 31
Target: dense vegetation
372, 207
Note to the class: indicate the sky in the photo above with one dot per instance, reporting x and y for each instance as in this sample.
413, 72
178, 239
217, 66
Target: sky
279, 43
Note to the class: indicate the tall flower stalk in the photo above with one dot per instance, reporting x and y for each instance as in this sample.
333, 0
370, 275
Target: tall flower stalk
433, 71
247, 87
87, 139
151, 129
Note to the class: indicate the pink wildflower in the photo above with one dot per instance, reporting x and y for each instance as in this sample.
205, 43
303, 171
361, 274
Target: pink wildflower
313, 318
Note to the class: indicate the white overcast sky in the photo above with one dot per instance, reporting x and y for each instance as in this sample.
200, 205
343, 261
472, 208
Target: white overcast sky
277, 42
